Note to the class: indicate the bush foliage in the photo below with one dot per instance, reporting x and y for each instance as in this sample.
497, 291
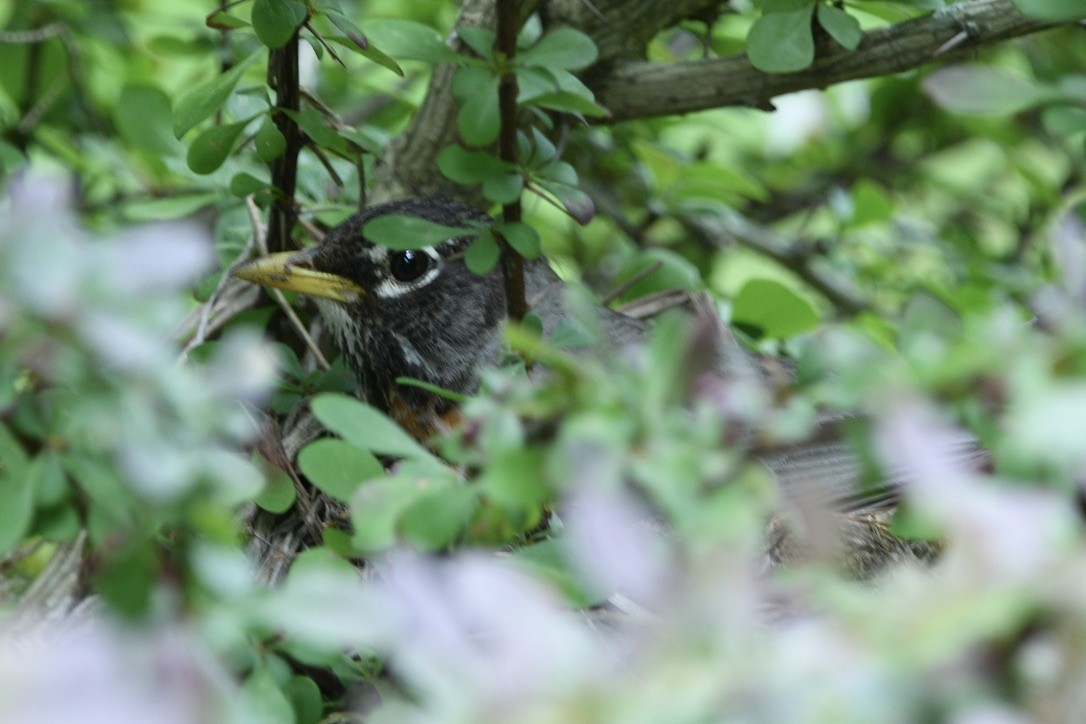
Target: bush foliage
199, 521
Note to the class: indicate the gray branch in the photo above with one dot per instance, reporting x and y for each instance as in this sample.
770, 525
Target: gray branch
639, 89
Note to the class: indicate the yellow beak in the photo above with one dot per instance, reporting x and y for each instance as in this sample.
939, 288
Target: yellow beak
293, 271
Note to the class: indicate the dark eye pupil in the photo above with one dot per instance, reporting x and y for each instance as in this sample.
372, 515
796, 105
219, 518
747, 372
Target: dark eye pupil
408, 265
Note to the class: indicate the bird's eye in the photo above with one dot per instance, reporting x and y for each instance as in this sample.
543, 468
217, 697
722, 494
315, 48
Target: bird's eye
407, 266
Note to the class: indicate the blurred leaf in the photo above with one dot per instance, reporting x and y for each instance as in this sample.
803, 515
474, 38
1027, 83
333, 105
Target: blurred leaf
482, 255
773, 308
983, 90
1056, 11
841, 26
269, 141
209, 149
503, 189
563, 48
305, 698
375, 508
478, 120
514, 478
437, 518
481, 40
204, 100
780, 41
470, 167
523, 238
144, 116
267, 700
870, 204
337, 467
17, 495
347, 26
168, 208
403, 232
243, 184
365, 427
409, 40
276, 20
278, 494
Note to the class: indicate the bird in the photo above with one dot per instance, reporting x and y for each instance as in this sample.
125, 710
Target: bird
422, 313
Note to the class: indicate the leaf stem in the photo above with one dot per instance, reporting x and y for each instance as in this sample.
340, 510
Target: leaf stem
512, 263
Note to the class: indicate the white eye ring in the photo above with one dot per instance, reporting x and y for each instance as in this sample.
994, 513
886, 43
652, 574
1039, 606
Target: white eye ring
391, 287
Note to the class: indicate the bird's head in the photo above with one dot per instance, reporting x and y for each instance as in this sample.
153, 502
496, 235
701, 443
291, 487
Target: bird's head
419, 313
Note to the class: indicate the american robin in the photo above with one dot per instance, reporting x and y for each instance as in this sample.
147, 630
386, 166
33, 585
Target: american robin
423, 314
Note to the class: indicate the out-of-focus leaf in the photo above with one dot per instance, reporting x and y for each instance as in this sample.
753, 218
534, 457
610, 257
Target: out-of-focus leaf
470, 167
1056, 11
269, 141
774, 308
564, 48
409, 40
436, 519
403, 232
482, 255
523, 238
204, 100
841, 26
478, 120
481, 40
276, 20
337, 467
210, 149
144, 116
365, 426
982, 90
781, 41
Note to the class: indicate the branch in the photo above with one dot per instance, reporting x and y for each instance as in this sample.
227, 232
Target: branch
283, 77
512, 263
639, 89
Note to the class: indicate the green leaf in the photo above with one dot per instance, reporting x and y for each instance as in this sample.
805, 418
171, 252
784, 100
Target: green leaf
523, 238
220, 20
17, 493
305, 698
782, 42
347, 26
381, 58
870, 204
774, 308
204, 100
377, 505
243, 184
210, 149
478, 120
841, 26
1053, 10
436, 519
266, 698
403, 232
168, 208
144, 116
577, 203
470, 167
276, 20
337, 467
365, 427
514, 478
569, 103
480, 40
504, 188
482, 255
1064, 120
563, 48
409, 40
269, 141
982, 90
278, 493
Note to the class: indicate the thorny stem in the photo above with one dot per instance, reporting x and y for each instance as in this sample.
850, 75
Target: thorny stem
512, 262
283, 77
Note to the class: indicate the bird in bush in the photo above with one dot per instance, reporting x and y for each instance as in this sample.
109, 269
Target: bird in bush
422, 313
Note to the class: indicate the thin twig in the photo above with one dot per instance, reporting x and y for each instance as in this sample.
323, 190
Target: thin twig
260, 235
625, 286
